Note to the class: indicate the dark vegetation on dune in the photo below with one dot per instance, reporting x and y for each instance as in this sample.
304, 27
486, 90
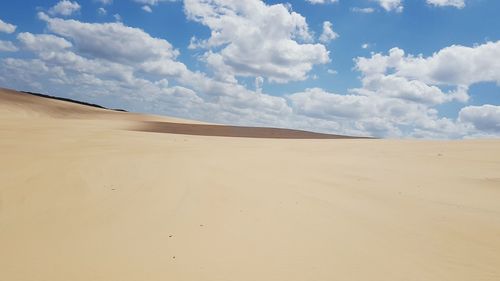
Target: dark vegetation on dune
71, 100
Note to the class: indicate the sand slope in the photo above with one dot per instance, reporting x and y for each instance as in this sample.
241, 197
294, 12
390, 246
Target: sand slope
83, 198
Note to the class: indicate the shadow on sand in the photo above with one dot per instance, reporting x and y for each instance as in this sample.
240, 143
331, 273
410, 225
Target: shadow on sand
233, 131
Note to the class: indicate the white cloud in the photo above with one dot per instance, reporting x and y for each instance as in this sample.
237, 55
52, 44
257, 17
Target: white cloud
419, 78
363, 10
147, 4
378, 79
259, 81
43, 42
332, 71
453, 3
417, 82
365, 46
250, 38
373, 115
328, 33
113, 41
117, 17
101, 11
322, 1
152, 2
399, 96
411, 90
454, 65
485, 118
7, 27
391, 5
7, 46
65, 8
104, 2
316, 102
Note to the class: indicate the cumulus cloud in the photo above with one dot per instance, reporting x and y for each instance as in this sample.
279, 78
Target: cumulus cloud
101, 11
322, 1
419, 78
485, 118
7, 27
363, 10
454, 65
259, 81
453, 3
378, 79
65, 8
152, 2
318, 103
7, 46
400, 93
251, 38
373, 115
147, 4
104, 2
391, 5
43, 42
328, 33
410, 90
332, 71
123, 44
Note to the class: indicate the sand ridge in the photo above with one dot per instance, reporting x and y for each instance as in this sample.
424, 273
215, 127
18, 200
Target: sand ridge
82, 198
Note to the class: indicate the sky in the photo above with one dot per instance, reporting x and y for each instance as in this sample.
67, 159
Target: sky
384, 68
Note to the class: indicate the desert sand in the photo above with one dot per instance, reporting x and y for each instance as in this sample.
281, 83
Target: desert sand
91, 194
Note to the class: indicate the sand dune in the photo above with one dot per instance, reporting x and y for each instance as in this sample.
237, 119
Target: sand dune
92, 194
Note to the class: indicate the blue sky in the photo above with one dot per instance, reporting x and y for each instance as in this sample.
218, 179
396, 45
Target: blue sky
386, 68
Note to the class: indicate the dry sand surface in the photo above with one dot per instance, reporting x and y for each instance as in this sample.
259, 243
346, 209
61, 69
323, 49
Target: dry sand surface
85, 196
